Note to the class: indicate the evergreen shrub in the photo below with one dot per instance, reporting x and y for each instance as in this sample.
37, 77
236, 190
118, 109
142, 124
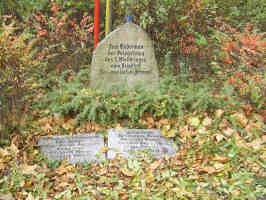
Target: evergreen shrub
72, 96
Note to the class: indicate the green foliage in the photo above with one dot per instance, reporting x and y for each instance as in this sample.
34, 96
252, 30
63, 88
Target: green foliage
15, 66
63, 42
186, 28
23, 9
72, 97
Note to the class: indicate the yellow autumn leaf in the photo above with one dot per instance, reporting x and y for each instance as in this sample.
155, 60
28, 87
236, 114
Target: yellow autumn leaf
168, 133
194, 121
240, 118
207, 121
103, 171
149, 177
69, 125
168, 184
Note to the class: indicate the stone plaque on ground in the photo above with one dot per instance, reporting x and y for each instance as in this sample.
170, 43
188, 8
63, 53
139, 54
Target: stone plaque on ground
128, 141
76, 148
125, 57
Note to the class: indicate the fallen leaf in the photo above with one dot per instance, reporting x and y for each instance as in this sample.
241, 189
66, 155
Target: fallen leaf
64, 169
207, 169
207, 121
194, 121
218, 166
240, 142
240, 118
13, 148
3, 152
70, 176
155, 165
62, 185
47, 128
202, 130
168, 185
69, 125
236, 192
99, 128
219, 137
167, 132
150, 120
103, 171
56, 117
221, 159
149, 177
256, 144
219, 113
229, 132
224, 124
201, 141
29, 169
164, 121
128, 172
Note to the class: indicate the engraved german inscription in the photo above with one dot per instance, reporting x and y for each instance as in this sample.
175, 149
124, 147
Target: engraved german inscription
125, 58
129, 141
76, 149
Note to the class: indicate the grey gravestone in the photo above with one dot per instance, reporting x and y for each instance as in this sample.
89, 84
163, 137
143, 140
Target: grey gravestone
77, 148
128, 141
125, 57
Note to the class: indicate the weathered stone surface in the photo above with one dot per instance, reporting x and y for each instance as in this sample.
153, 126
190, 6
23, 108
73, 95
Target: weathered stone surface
77, 148
128, 141
126, 57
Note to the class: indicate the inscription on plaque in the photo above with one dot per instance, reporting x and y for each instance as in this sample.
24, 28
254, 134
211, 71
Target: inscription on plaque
76, 149
129, 141
125, 56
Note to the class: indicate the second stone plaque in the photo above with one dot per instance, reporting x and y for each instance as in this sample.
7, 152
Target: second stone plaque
130, 141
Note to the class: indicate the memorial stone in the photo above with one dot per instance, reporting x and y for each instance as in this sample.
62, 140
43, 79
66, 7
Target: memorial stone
125, 57
76, 149
130, 141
